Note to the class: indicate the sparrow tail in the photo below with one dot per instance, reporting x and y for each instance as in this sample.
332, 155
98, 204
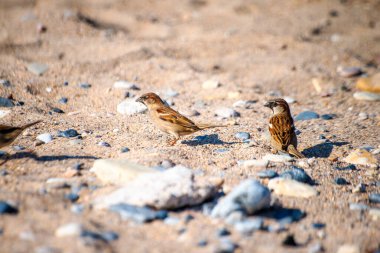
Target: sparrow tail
31, 124
293, 151
206, 126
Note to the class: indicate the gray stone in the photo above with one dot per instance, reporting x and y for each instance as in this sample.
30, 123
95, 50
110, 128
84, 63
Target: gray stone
367, 96
37, 68
244, 104
226, 113
349, 71
137, 214
374, 198
225, 246
6, 208
130, 107
291, 188
170, 93
297, 174
281, 158
45, 137
104, 144
267, 174
5, 102
289, 100
67, 133
243, 135
358, 206
84, 85
249, 196
247, 226
63, 100
307, 115
5, 83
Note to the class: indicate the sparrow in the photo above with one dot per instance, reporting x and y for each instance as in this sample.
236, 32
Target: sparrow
8, 133
281, 128
169, 120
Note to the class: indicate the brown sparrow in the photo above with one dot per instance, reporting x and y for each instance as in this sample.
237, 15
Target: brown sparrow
8, 133
281, 128
169, 120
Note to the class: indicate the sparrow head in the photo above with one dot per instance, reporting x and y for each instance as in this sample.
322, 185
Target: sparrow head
277, 105
150, 99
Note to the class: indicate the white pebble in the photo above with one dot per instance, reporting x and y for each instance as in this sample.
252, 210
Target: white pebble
226, 112
70, 229
130, 107
45, 137
211, 84
125, 85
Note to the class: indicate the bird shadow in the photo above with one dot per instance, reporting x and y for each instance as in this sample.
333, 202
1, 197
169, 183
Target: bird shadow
322, 150
45, 158
206, 139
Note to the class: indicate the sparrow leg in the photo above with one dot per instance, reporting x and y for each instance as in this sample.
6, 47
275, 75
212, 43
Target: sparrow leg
173, 142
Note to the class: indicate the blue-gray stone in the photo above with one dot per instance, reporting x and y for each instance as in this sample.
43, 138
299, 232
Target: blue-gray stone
202, 243
318, 225
6, 208
18, 148
66, 83
374, 198
5, 83
104, 144
222, 232
167, 164
84, 85
63, 100
57, 110
78, 166
341, 181
297, 174
138, 214
124, 150
37, 68
73, 197
5, 102
349, 167
247, 226
328, 116
307, 115
188, 218
68, 133
267, 174
109, 236
243, 135
77, 208
358, 206
221, 150
171, 221
225, 246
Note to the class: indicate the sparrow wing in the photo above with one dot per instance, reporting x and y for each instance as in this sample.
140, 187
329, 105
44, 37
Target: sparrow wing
169, 115
281, 129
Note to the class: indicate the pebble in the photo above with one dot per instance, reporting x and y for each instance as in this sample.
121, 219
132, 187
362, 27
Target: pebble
56, 110
84, 85
170, 93
109, 236
289, 100
318, 225
328, 116
369, 84
247, 226
125, 85
167, 164
297, 174
358, 206
363, 116
5, 83
70, 229
57, 183
63, 100
340, 181
253, 163
222, 232
171, 221
77, 208
249, 196
374, 198
4, 172
221, 150
118, 171
211, 84
226, 113
3, 113
348, 248
267, 174
18, 148
225, 246
244, 104
202, 243
367, 96
307, 115
37, 68
69, 133
316, 248
243, 135
188, 218
282, 158
104, 144
130, 107
45, 137
359, 188
5, 102
361, 157
73, 197
124, 150
291, 188
349, 71
6, 208
137, 214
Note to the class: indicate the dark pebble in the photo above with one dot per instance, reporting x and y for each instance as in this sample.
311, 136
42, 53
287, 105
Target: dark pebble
78, 166
85, 85
267, 174
5, 102
328, 116
340, 181
73, 197
222, 232
188, 218
202, 243
289, 241
349, 167
318, 225
322, 137
6, 208
333, 13
66, 83
68, 133
4, 172
374, 198
109, 236
297, 174
63, 100
57, 110
124, 150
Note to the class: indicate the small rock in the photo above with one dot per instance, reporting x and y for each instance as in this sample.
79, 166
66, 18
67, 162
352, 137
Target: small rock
328, 116
4, 172
244, 103
57, 110
222, 232
349, 71
5, 83
5, 102
289, 100
348, 248
6, 208
130, 107
202, 243
73, 197
225, 246
77, 208
247, 226
166, 164
125, 85
45, 137
282, 158
359, 188
363, 116
297, 174
169, 93
358, 207
67, 133
171, 221
307, 115
84, 85
374, 198
18, 148
120, 172
361, 157
340, 181
57, 183
267, 174
367, 96
291, 188
243, 135
124, 150
221, 150
226, 113
253, 163
104, 144
137, 214
211, 84
70, 229
37, 68
63, 100
109, 236
289, 241
249, 196
318, 225
369, 84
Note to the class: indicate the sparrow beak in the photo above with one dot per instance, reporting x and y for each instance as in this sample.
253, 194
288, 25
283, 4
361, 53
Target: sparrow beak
269, 105
140, 100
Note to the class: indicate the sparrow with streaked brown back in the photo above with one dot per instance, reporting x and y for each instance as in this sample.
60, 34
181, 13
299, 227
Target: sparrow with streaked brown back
169, 120
8, 133
281, 128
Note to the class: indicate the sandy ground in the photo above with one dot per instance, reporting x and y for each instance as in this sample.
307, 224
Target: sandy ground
252, 47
